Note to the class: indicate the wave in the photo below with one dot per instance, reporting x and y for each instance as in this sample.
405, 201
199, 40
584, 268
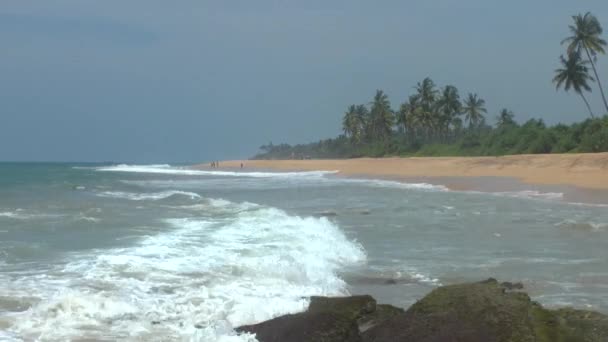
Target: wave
583, 226
532, 194
21, 214
148, 196
196, 281
380, 183
166, 169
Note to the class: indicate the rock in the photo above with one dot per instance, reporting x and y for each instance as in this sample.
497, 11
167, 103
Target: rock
512, 286
353, 307
485, 312
327, 319
382, 313
326, 213
306, 327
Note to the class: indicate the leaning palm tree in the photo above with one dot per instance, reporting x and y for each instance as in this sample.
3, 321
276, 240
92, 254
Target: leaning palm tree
474, 108
574, 75
382, 116
586, 36
348, 122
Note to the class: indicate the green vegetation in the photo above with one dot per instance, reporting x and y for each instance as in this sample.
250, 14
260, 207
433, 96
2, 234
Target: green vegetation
436, 122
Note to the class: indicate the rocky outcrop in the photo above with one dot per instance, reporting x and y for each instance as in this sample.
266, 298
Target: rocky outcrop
326, 320
485, 312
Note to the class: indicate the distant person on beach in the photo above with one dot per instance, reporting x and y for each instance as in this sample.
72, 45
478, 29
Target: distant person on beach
241, 165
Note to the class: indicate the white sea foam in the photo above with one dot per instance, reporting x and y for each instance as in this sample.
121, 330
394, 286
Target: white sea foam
166, 169
380, 183
148, 196
197, 281
533, 194
20, 214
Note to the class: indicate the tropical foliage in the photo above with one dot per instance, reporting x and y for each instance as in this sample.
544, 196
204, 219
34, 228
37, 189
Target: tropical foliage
436, 121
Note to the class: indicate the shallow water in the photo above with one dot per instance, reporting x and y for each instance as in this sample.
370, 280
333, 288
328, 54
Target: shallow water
169, 253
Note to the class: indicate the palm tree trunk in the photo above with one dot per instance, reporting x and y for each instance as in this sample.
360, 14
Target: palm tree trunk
588, 106
597, 78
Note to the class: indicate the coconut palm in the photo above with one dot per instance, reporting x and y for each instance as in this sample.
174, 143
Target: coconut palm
574, 74
586, 36
382, 117
449, 106
406, 117
473, 109
426, 93
425, 119
505, 118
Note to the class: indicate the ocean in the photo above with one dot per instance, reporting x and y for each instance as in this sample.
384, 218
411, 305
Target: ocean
167, 253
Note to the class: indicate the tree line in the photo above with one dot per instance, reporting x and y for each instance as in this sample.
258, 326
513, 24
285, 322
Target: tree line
437, 121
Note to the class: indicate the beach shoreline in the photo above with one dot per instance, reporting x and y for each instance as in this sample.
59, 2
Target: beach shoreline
580, 178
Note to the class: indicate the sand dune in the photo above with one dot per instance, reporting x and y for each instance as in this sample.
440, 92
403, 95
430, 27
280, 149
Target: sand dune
581, 170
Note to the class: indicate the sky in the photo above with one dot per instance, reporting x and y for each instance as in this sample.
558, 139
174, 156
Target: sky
187, 81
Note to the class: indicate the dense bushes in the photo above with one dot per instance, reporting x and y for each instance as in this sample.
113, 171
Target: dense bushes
531, 137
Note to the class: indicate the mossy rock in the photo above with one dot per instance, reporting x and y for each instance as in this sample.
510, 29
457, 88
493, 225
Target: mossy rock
487, 312
353, 307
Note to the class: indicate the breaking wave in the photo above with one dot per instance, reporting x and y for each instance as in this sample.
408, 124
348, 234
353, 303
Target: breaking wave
196, 281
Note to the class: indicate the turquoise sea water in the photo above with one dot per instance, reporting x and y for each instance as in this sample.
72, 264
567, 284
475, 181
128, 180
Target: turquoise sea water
155, 252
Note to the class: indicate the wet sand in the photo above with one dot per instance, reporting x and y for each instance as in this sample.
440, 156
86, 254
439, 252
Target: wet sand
580, 177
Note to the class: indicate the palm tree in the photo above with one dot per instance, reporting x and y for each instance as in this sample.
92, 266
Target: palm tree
382, 116
449, 105
505, 118
574, 74
426, 93
426, 119
353, 122
474, 108
425, 112
406, 117
586, 33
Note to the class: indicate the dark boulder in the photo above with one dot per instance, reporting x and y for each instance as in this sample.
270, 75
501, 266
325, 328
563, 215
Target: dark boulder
306, 327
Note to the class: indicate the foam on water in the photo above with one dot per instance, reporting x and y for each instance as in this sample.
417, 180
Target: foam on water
380, 183
532, 194
20, 214
166, 169
148, 196
197, 281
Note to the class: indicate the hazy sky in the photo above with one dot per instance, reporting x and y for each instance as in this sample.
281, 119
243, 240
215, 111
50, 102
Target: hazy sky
167, 81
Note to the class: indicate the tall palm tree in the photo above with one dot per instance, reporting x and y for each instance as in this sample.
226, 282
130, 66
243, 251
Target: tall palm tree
474, 108
505, 118
426, 93
586, 35
426, 98
349, 122
574, 74
426, 119
449, 106
406, 117
382, 116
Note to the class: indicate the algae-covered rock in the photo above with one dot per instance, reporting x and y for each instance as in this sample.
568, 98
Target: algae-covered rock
353, 307
487, 312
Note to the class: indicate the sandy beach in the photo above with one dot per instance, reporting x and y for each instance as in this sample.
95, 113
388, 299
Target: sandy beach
581, 177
